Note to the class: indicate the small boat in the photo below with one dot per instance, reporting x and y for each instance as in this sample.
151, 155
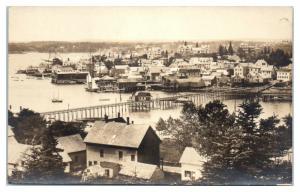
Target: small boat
56, 99
104, 99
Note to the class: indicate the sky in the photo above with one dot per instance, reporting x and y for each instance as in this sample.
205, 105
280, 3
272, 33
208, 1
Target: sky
149, 23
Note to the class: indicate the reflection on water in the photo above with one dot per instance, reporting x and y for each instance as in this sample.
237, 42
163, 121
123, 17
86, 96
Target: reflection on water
37, 94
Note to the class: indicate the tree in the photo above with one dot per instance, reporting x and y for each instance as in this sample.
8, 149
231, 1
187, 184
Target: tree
44, 165
197, 45
109, 64
12, 120
278, 58
230, 49
60, 128
29, 126
246, 120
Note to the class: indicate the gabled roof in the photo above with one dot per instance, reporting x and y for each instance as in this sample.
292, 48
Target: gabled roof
117, 134
16, 151
191, 156
71, 143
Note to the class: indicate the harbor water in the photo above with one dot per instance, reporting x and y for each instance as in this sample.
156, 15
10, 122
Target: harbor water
36, 94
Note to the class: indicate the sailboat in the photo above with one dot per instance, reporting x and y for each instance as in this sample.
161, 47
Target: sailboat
57, 99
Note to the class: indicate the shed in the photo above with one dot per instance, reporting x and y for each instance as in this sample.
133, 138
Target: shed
191, 164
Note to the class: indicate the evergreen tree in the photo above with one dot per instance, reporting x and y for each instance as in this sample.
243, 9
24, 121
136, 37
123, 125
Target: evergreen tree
247, 122
197, 45
44, 165
221, 50
230, 49
29, 126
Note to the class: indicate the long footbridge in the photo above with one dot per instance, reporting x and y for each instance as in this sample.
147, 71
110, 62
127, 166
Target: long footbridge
122, 108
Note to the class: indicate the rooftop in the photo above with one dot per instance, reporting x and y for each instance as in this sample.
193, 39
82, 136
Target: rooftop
191, 156
117, 134
71, 143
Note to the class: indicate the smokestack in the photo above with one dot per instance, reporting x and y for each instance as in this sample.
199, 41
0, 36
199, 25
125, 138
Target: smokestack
128, 120
105, 118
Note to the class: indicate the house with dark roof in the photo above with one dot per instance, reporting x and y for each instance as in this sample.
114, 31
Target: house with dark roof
74, 151
122, 143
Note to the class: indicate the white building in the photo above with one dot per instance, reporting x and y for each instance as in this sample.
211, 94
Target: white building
284, 75
241, 70
202, 49
202, 62
191, 164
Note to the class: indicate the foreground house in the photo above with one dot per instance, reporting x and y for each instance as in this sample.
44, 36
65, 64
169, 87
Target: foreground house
191, 164
121, 143
16, 153
75, 151
114, 148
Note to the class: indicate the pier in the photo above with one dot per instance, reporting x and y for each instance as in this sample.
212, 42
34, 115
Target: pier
112, 110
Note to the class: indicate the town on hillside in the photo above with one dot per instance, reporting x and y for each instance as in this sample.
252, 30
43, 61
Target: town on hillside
150, 96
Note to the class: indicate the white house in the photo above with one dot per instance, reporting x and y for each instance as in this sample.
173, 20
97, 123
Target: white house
202, 62
284, 75
15, 153
191, 164
241, 70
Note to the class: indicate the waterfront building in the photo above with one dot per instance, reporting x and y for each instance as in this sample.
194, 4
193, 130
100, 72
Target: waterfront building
241, 70
113, 142
191, 164
141, 96
284, 74
75, 148
107, 84
209, 80
70, 77
189, 72
118, 70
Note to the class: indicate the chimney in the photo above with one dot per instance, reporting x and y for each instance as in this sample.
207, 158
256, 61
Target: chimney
132, 122
105, 118
128, 122
118, 114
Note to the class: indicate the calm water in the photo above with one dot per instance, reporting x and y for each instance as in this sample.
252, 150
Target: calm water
36, 94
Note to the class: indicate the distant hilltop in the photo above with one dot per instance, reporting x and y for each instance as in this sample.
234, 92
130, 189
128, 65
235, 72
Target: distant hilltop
64, 46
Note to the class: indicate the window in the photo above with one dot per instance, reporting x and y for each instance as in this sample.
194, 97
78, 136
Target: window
90, 163
95, 162
187, 174
120, 155
132, 157
101, 153
106, 172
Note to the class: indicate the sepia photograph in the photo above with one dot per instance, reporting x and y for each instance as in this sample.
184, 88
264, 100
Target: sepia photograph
141, 95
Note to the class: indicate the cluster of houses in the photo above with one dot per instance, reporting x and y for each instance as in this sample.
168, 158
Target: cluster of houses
114, 149
195, 73
111, 149
133, 70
